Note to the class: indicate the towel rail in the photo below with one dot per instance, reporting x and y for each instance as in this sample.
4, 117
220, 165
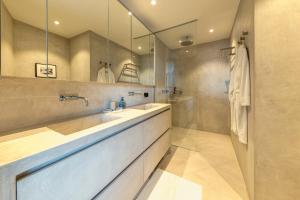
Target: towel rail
240, 42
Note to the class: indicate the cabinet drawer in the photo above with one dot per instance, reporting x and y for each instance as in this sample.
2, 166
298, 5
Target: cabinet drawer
127, 185
155, 127
155, 153
82, 175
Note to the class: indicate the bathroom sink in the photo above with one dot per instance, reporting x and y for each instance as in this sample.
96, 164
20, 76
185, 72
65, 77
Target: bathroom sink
145, 106
75, 125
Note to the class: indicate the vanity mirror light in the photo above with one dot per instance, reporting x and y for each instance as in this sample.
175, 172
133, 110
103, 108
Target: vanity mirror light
91, 40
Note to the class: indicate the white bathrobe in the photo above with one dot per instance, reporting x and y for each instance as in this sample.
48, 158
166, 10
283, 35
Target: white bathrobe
105, 75
239, 94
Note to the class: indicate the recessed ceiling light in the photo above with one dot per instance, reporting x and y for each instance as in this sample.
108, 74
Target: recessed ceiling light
139, 47
211, 30
179, 41
153, 2
187, 51
56, 22
129, 13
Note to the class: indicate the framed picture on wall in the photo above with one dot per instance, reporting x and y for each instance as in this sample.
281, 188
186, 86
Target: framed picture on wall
42, 71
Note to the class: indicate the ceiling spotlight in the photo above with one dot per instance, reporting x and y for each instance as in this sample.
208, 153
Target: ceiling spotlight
187, 51
153, 2
139, 48
56, 22
129, 13
211, 30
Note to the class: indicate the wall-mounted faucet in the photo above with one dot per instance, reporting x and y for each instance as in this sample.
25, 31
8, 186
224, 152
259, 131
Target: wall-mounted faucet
135, 93
145, 94
73, 97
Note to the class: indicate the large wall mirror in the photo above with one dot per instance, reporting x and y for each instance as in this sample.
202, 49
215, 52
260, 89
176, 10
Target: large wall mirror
91, 40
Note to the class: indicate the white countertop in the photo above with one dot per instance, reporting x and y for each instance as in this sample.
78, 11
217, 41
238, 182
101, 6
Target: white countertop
25, 149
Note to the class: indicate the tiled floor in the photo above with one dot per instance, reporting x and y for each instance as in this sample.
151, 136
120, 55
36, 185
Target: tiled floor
202, 158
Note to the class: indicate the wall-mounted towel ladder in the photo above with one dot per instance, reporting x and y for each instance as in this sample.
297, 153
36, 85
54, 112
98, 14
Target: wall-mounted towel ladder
129, 70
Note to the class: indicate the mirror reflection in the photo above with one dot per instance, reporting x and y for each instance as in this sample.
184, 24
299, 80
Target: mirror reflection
77, 39
143, 48
103, 42
23, 37
119, 39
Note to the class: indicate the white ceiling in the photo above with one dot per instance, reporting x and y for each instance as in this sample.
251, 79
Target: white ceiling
211, 14
78, 16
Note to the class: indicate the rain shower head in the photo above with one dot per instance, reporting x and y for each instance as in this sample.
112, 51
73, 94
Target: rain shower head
186, 41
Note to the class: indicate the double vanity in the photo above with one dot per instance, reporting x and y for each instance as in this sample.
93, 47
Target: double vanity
102, 156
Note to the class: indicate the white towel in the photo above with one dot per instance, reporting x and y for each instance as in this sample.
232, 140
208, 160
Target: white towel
105, 75
239, 94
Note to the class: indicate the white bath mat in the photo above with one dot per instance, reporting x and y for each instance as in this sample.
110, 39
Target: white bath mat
166, 186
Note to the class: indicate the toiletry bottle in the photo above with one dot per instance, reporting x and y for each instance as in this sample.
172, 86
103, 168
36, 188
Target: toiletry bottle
122, 103
113, 105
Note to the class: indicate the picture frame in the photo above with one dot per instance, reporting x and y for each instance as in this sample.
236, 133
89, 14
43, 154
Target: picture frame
42, 71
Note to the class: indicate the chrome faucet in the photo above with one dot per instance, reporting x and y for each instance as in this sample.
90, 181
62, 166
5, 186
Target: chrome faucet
145, 94
135, 93
73, 97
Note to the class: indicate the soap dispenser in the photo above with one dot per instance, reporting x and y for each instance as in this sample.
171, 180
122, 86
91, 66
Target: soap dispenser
122, 103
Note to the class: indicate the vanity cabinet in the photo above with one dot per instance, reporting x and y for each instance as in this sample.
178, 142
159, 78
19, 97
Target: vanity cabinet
155, 153
154, 128
115, 168
127, 185
84, 174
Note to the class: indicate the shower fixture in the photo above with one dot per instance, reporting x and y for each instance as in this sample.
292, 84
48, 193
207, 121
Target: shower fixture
186, 41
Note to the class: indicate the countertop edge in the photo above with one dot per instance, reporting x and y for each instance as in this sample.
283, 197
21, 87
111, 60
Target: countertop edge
70, 147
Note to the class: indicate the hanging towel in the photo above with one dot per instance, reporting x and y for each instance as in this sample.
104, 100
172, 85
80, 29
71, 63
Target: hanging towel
239, 94
231, 95
105, 75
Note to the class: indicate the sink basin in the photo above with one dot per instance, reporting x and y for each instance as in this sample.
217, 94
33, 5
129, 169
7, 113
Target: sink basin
145, 106
79, 124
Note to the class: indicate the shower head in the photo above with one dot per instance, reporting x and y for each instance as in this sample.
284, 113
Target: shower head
186, 42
